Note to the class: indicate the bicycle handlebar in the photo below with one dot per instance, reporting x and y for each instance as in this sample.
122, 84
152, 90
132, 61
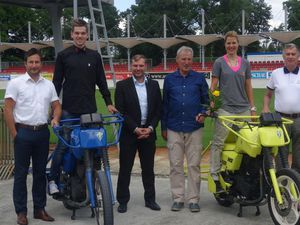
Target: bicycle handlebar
240, 120
119, 120
243, 120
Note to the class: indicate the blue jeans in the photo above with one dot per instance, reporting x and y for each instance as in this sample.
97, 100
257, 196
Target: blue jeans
35, 145
58, 155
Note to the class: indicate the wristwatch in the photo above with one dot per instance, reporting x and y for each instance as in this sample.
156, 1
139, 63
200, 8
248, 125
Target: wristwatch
253, 109
151, 128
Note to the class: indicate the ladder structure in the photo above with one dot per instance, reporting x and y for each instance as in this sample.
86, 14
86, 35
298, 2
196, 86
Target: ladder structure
100, 35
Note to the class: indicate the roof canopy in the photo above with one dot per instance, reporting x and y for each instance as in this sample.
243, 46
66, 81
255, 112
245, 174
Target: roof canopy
283, 36
22, 46
164, 43
203, 40
247, 39
126, 42
66, 43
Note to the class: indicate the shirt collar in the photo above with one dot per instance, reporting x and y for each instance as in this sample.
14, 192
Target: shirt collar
80, 49
295, 71
28, 78
136, 82
179, 74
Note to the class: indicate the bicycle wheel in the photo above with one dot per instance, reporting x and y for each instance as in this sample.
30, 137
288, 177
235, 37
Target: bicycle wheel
286, 213
104, 206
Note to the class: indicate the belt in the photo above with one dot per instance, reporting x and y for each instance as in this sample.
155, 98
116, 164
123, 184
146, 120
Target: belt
293, 115
32, 127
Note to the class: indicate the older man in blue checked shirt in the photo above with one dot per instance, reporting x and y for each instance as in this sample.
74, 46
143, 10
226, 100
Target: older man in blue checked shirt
184, 94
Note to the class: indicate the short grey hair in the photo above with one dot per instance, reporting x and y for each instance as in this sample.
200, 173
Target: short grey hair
289, 46
185, 49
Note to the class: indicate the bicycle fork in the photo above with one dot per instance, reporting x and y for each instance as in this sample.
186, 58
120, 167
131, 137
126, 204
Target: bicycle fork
88, 156
88, 160
270, 167
106, 167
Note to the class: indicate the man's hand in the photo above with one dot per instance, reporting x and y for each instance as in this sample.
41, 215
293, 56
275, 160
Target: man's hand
200, 118
164, 134
54, 123
265, 109
14, 134
112, 109
253, 113
142, 133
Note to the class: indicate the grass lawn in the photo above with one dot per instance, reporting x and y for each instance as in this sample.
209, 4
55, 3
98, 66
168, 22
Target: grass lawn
258, 98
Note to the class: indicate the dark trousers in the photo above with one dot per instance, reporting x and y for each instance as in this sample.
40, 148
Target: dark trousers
58, 155
128, 149
34, 145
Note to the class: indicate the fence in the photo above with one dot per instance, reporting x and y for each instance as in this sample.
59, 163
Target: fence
6, 148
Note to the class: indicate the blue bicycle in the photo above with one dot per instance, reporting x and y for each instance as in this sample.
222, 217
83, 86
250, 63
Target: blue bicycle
85, 176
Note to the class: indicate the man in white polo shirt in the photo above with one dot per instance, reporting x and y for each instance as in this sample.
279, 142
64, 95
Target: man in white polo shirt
285, 83
27, 101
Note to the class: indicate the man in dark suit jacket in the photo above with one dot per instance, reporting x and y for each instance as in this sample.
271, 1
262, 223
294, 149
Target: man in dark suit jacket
138, 99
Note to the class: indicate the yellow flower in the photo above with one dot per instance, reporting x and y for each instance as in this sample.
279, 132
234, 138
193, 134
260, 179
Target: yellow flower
215, 100
216, 93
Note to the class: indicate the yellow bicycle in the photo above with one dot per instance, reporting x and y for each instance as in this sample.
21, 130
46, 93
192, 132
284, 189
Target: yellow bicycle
249, 175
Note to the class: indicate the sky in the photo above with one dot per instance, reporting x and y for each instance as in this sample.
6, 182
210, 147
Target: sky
122, 5
277, 11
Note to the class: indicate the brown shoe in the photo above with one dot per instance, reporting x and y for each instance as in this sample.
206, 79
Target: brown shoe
43, 215
22, 219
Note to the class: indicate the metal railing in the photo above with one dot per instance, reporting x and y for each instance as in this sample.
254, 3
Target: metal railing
6, 148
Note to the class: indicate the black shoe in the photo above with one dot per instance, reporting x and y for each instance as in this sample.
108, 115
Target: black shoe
152, 205
122, 208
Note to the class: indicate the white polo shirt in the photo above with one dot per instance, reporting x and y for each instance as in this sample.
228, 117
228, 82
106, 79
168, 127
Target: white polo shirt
32, 99
286, 87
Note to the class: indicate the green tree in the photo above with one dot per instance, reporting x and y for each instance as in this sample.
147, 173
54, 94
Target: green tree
14, 26
184, 17
293, 7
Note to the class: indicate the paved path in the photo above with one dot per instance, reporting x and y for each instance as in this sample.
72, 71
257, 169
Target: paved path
211, 213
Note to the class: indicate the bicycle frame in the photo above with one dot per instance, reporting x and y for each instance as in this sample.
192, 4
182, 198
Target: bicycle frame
90, 141
276, 138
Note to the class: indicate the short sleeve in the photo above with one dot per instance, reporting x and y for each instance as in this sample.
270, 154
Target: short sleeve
216, 71
11, 90
54, 96
248, 69
270, 84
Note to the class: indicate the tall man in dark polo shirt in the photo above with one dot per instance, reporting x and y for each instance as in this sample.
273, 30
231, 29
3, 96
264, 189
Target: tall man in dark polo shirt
285, 84
77, 71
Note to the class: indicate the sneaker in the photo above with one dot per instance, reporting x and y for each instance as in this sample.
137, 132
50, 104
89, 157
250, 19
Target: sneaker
53, 189
194, 207
177, 206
